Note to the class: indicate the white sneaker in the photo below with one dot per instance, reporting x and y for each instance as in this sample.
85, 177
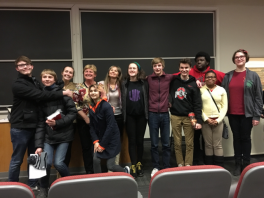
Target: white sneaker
187, 165
154, 171
127, 169
180, 165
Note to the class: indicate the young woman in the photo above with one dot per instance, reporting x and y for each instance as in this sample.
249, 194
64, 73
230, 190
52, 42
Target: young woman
112, 88
213, 118
67, 76
81, 99
54, 134
244, 93
104, 131
135, 112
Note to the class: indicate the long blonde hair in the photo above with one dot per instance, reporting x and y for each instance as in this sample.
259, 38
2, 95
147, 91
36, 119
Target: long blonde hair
118, 80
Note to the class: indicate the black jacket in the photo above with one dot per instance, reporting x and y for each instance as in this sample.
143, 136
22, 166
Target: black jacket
27, 92
185, 97
103, 127
145, 89
63, 130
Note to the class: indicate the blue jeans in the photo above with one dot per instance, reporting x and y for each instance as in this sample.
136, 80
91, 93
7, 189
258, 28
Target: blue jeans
61, 150
160, 121
22, 139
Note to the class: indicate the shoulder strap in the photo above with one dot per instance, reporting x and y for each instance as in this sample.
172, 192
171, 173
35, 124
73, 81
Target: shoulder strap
213, 100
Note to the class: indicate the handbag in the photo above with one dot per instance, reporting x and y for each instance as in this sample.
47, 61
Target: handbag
225, 127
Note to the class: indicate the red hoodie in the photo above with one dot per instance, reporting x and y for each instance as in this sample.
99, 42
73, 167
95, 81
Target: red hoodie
200, 75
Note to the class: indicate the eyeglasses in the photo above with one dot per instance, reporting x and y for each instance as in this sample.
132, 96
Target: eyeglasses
208, 77
23, 65
239, 57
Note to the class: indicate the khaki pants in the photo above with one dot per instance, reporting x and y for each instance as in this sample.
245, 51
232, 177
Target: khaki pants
213, 139
177, 122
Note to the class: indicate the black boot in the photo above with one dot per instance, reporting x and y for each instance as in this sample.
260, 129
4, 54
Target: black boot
219, 160
140, 172
209, 160
237, 169
245, 164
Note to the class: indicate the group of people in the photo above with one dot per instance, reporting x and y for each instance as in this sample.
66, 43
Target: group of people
196, 100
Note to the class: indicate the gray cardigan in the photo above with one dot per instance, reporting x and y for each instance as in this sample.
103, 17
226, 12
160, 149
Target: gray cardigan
252, 93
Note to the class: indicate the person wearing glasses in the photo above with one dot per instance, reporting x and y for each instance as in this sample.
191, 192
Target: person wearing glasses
214, 109
27, 92
244, 93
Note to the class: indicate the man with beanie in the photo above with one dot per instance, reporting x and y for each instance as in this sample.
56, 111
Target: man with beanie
185, 101
202, 60
24, 115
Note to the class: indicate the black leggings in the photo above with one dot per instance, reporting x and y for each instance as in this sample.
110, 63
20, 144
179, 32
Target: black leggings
241, 128
135, 127
120, 123
87, 145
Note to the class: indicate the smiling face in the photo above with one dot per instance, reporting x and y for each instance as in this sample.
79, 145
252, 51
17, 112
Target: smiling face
184, 69
210, 79
132, 70
158, 69
89, 74
67, 74
24, 68
47, 80
113, 72
240, 59
201, 63
94, 93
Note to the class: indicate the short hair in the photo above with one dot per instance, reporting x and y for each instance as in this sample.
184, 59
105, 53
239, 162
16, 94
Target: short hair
65, 68
92, 67
186, 61
158, 60
242, 51
210, 71
23, 58
50, 72
203, 54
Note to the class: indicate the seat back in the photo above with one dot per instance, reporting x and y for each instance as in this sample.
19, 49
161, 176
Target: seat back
251, 182
191, 181
117, 185
14, 190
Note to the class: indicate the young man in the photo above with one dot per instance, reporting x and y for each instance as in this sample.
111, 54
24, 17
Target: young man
159, 119
185, 99
27, 92
202, 60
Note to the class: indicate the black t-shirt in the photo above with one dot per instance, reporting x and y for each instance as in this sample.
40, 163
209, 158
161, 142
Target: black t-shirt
135, 98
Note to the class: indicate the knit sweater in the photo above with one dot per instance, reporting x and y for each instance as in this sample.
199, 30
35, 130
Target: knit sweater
209, 109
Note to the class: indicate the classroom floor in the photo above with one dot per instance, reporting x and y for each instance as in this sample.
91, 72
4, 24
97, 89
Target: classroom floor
143, 182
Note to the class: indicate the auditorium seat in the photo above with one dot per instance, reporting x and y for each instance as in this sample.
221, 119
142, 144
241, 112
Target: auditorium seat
116, 185
15, 190
205, 181
251, 182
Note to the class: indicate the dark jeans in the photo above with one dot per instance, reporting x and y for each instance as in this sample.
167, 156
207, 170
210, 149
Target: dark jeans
196, 146
241, 128
110, 165
22, 139
87, 145
120, 123
68, 154
136, 127
160, 122
61, 150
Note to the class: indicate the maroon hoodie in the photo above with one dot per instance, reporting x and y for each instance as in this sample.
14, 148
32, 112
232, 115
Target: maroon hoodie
200, 75
159, 92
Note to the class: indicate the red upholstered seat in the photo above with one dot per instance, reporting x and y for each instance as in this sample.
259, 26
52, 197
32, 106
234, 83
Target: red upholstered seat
191, 181
251, 182
118, 185
15, 190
